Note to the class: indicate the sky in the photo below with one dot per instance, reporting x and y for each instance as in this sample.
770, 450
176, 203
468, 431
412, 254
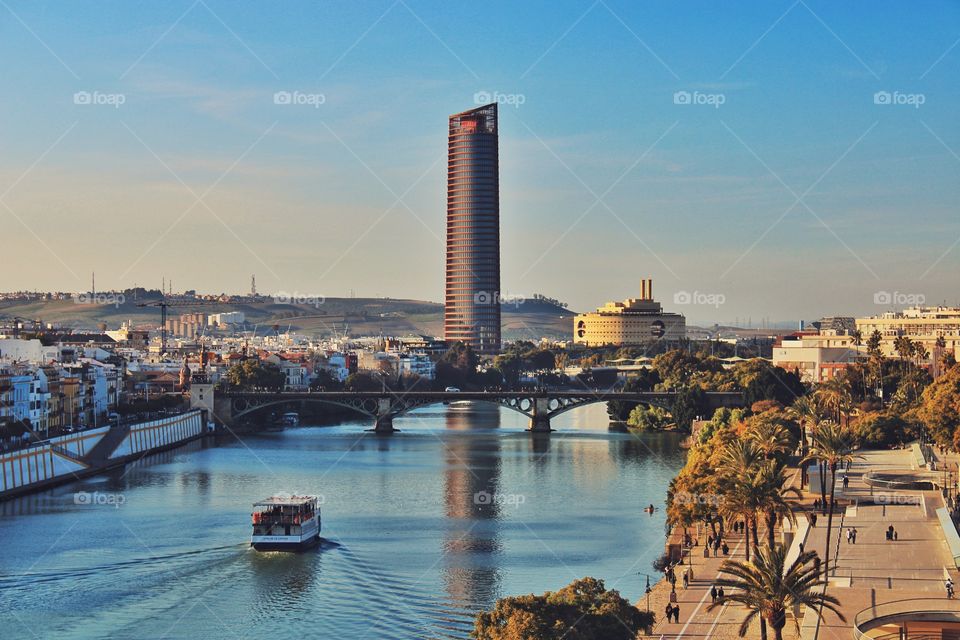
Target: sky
776, 159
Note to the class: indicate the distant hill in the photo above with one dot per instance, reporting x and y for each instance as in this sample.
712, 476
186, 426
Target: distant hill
528, 320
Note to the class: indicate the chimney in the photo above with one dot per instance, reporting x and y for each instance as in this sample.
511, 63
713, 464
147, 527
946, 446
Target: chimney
650, 289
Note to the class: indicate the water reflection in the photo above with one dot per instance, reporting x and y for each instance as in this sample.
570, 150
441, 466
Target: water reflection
471, 497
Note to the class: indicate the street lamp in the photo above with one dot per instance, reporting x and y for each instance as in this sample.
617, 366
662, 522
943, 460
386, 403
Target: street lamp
648, 590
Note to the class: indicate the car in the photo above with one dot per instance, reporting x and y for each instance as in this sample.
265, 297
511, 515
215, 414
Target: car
451, 390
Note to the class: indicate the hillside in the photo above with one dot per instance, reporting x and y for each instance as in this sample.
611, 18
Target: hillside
360, 316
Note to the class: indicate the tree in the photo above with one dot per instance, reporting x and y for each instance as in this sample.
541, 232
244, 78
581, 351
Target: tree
457, 367
773, 497
767, 589
323, 379
940, 408
510, 366
582, 610
648, 418
253, 374
540, 360
806, 412
834, 394
687, 406
833, 445
760, 380
722, 417
876, 358
740, 459
645, 380
883, 430
770, 435
675, 368
362, 381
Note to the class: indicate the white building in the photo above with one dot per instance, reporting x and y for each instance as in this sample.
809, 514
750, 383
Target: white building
921, 324
818, 357
418, 364
226, 318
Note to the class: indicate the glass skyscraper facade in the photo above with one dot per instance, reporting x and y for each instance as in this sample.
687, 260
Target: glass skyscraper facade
472, 288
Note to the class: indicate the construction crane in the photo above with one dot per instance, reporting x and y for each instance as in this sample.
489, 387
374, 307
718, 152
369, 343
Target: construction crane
165, 303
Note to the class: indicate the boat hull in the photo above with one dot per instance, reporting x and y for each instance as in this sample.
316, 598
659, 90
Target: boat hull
293, 544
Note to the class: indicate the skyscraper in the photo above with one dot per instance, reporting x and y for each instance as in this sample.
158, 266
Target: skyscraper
472, 299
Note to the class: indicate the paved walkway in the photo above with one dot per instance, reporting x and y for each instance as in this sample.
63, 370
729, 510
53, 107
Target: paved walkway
875, 570
872, 571
695, 620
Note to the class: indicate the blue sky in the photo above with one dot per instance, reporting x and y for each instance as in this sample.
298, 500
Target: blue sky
796, 197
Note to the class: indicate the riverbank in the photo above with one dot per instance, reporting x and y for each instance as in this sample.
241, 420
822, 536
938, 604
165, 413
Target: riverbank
866, 580
88, 453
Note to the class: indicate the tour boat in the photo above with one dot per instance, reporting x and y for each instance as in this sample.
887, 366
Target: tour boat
290, 419
286, 523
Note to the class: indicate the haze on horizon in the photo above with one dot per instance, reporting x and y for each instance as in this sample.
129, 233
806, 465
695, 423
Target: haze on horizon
819, 167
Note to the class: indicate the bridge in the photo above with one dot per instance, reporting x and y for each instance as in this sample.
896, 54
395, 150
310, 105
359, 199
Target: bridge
383, 406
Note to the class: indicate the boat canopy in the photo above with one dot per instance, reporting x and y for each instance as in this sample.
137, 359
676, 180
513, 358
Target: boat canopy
287, 501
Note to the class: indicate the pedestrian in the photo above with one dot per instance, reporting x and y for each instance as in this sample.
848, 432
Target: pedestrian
846, 481
853, 536
895, 534
713, 593
720, 593
849, 535
813, 519
726, 549
668, 612
816, 503
676, 614
686, 580
801, 548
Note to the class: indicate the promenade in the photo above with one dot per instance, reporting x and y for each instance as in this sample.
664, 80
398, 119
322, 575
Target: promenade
872, 571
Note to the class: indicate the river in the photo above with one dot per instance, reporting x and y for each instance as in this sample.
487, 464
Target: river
421, 530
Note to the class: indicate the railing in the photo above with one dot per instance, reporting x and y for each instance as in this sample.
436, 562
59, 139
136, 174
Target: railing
927, 609
908, 636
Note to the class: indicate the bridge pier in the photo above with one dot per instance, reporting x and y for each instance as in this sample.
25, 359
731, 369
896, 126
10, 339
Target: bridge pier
540, 424
540, 420
384, 425
385, 413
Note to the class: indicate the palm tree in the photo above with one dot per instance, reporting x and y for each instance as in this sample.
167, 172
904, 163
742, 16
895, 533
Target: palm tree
904, 348
741, 459
835, 395
740, 500
833, 446
768, 589
773, 493
805, 411
740, 454
771, 438
876, 355
938, 353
